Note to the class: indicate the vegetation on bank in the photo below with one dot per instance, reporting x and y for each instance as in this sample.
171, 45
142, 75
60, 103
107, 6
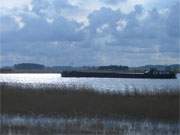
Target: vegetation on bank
39, 68
82, 101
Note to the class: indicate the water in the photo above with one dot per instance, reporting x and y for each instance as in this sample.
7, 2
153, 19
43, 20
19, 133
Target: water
28, 125
98, 83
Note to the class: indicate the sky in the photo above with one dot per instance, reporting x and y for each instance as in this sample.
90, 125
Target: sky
90, 32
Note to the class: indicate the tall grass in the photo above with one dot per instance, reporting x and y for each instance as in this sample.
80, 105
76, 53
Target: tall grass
82, 101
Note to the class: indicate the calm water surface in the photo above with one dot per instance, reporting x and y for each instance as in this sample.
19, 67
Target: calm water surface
98, 83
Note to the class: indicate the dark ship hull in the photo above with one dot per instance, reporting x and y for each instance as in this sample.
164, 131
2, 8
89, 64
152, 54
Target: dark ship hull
117, 75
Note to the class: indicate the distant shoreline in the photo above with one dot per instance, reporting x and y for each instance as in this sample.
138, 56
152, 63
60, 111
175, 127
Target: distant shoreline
39, 68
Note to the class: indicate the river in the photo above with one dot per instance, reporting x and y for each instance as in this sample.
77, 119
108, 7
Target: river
111, 84
27, 125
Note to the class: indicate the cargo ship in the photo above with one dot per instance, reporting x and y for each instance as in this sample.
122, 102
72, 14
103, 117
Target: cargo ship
151, 74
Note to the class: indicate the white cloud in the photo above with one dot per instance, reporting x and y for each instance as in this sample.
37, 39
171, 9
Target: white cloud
10, 4
19, 21
102, 28
121, 24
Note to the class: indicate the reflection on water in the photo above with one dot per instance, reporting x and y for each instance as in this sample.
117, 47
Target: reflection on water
40, 125
48, 126
99, 83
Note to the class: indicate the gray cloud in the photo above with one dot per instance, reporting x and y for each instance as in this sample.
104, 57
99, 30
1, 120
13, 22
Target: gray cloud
173, 22
113, 1
38, 29
112, 37
7, 23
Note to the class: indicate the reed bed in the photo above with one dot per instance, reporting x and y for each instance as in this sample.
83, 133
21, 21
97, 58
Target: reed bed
87, 102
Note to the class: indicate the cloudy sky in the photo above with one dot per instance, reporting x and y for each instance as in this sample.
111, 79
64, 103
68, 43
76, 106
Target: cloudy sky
90, 32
